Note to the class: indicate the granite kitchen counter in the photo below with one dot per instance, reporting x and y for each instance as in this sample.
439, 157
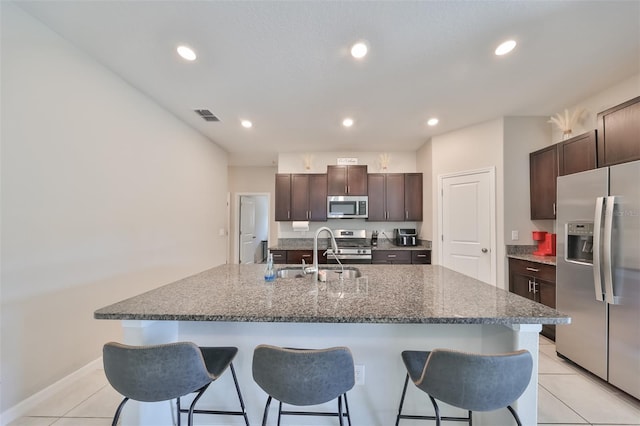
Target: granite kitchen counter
399, 294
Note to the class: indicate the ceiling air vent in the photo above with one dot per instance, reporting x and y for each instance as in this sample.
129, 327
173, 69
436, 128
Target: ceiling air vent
206, 115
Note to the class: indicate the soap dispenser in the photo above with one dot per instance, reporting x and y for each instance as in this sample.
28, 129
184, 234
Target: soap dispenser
269, 272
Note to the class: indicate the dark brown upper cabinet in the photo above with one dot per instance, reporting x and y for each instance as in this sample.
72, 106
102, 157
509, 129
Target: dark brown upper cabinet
577, 154
413, 197
386, 196
306, 198
283, 197
619, 134
543, 171
395, 197
347, 180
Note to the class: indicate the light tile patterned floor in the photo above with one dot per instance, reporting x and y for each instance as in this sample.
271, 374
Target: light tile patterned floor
570, 396
567, 397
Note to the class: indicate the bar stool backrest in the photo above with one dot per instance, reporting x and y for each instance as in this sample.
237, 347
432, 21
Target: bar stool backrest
476, 382
303, 376
155, 373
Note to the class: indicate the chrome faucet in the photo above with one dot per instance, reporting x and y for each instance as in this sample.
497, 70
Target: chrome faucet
314, 268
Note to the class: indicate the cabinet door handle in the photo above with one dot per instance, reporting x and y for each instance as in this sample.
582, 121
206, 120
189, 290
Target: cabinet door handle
288, 214
533, 269
554, 209
306, 255
391, 255
422, 255
406, 214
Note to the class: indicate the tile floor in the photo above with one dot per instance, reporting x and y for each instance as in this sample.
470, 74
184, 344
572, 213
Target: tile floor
567, 396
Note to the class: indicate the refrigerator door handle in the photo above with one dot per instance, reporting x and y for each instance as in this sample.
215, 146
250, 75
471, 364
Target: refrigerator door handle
607, 251
597, 226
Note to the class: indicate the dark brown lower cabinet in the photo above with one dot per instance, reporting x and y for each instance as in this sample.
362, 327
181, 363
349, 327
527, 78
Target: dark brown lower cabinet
537, 282
401, 257
296, 256
421, 257
279, 256
398, 257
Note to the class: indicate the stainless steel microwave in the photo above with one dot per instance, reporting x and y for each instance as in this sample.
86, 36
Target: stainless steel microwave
347, 207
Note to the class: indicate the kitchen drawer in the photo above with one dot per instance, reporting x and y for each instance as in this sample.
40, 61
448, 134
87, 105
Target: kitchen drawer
296, 256
421, 257
391, 256
533, 269
279, 256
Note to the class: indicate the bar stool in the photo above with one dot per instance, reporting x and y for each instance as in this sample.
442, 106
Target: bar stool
165, 372
304, 377
473, 382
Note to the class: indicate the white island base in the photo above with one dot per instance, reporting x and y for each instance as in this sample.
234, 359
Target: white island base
375, 346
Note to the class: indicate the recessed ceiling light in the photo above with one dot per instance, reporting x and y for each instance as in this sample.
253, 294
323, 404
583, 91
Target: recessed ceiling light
246, 124
432, 121
347, 122
186, 53
505, 47
359, 50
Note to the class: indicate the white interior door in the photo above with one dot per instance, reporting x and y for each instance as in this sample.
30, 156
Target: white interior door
248, 241
467, 218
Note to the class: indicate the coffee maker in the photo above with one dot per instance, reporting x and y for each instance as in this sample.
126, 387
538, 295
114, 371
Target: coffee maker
405, 237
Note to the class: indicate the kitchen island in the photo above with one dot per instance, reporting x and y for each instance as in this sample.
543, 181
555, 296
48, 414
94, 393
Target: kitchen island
387, 310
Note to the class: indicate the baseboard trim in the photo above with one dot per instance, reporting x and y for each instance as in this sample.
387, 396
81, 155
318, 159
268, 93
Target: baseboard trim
26, 405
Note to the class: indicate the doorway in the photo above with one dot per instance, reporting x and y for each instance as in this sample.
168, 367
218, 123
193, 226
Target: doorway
252, 228
467, 223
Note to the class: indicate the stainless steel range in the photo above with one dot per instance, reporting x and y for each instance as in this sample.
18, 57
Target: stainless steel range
353, 247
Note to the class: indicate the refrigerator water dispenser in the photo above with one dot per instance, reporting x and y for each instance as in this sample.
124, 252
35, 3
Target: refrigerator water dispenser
580, 242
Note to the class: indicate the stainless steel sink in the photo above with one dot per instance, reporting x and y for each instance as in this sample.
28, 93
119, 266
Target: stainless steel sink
349, 273
333, 273
290, 273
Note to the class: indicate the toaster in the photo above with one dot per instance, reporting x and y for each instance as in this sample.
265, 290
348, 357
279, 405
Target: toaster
405, 237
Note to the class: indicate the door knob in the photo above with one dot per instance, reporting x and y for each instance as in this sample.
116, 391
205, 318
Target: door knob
484, 250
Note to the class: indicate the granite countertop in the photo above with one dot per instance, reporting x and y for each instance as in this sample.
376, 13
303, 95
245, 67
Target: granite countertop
547, 260
405, 294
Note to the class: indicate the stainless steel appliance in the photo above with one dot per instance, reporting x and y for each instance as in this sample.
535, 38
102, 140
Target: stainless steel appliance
598, 272
347, 207
353, 247
405, 237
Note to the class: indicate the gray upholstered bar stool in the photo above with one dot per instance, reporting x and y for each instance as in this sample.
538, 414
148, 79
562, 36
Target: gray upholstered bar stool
166, 372
304, 377
473, 382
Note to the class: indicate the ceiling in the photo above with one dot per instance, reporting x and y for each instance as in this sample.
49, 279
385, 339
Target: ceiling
285, 65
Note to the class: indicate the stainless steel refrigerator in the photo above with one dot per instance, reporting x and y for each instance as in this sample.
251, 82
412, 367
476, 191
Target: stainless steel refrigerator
598, 272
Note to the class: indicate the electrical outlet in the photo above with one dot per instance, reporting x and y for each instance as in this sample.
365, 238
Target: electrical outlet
515, 235
359, 374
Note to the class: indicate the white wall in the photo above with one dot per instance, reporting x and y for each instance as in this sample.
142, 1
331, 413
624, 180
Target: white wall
399, 162
424, 162
474, 147
522, 135
104, 195
251, 180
